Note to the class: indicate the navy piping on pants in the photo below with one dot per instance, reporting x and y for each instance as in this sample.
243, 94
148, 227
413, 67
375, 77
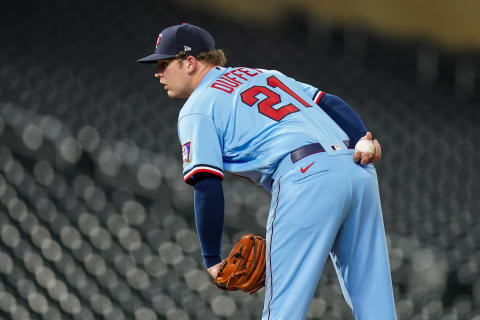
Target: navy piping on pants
270, 256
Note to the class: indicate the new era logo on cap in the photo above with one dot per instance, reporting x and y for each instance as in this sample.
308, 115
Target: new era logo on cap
183, 37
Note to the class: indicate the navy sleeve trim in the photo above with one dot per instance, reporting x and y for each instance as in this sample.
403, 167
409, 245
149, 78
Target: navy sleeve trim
318, 96
188, 176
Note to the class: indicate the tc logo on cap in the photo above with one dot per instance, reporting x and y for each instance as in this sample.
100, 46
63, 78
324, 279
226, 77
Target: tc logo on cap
158, 40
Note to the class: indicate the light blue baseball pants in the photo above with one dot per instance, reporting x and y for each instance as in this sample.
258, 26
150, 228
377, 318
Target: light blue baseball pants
332, 208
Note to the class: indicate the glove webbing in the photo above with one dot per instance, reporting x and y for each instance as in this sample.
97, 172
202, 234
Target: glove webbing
237, 270
238, 255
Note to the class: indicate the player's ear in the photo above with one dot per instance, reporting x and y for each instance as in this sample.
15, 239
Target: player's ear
191, 64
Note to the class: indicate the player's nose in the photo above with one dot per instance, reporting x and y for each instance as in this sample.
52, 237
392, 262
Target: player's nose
158, 72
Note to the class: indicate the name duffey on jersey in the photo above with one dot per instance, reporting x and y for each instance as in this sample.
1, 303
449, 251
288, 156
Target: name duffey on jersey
244, 121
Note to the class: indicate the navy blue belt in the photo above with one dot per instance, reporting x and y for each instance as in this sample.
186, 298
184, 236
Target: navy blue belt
309, 149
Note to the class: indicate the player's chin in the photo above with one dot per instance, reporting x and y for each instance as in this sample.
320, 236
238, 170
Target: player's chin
175, 95
172, 94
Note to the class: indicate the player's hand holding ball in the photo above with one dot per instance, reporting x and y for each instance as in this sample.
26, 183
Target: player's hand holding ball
367, 150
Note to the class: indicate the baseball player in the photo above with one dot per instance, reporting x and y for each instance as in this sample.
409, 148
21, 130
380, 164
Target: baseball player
297, 142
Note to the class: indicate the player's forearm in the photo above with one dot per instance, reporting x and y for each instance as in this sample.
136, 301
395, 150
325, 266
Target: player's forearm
344, 116
209, 214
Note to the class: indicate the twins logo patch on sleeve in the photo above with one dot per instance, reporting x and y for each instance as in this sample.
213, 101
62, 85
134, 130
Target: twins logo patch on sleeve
186, 152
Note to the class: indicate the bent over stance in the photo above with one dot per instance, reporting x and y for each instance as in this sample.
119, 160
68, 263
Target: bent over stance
297, 142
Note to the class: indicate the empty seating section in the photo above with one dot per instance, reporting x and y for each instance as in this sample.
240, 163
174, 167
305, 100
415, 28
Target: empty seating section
96, 222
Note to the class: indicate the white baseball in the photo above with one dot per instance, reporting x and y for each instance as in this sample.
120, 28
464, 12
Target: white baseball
365, 146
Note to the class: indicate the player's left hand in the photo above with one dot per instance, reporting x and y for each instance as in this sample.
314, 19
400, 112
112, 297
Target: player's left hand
213, 270
365, 157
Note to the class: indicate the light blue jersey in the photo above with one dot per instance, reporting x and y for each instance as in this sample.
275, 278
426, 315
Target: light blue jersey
247, 121
244, 121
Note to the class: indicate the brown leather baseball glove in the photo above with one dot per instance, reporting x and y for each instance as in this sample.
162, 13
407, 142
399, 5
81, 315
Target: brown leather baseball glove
244, 268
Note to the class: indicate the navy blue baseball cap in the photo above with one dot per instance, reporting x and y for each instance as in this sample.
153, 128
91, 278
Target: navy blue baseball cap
183, 37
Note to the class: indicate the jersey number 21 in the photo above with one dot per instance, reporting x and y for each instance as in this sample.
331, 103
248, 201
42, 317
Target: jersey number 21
265, 106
